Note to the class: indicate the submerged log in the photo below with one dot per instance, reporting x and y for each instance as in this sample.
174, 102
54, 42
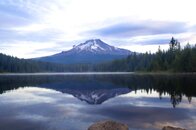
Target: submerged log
108, 125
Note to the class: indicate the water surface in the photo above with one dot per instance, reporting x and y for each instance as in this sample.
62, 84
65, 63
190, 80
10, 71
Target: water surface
74, 102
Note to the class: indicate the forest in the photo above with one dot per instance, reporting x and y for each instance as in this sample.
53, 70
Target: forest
16, 65
175, 59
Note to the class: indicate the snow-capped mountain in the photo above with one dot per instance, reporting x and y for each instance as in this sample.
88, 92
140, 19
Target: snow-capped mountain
96, 96
97, 46
91, 51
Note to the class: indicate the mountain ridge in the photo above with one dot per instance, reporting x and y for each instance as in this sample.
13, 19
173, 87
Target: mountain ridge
99, 47
92, 51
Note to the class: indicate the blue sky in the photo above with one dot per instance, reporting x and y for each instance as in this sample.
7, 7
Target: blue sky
33, 28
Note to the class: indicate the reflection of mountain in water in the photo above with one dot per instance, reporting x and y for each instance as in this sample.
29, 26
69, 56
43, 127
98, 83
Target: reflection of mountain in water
96, 96
84, 86
88, 89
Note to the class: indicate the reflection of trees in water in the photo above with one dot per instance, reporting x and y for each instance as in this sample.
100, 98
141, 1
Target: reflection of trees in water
189, 99
174, 85
175, 99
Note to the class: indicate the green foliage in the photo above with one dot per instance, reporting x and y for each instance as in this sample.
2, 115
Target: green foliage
13, 64
175, 59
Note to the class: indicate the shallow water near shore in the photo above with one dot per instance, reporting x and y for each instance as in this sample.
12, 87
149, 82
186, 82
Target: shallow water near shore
74, 101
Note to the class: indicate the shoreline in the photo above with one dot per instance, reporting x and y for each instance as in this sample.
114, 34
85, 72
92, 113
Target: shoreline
100, 73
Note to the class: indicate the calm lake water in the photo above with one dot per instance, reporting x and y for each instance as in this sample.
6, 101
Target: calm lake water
75, 101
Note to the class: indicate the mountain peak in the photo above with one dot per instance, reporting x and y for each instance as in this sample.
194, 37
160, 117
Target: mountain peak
90, 45
97, 46
91, 51
94, 40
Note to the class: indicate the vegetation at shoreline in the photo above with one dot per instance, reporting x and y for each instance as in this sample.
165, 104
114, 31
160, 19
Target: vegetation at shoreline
13, 64
175, 59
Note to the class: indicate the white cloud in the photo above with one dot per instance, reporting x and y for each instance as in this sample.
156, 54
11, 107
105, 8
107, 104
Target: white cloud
72, 18
27, 49
145, 48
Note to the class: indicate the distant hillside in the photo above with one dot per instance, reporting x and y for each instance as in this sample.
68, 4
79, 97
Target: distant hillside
13, 64
175, 59
90, 52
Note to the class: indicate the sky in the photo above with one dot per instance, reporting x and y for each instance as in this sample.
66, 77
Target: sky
35, 28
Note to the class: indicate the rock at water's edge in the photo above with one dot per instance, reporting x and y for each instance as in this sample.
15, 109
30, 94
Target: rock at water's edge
172, 128
108, 125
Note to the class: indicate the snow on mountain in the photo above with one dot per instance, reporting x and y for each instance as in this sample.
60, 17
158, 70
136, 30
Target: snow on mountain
91, 45
90, 52
96, 96
98, 47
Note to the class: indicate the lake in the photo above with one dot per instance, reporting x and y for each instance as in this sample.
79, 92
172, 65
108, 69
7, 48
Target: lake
74, 101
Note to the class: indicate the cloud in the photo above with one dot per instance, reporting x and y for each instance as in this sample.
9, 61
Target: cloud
45, 35
141, 28
11, 9
7, 21
16, 13
119, 23
30, 21
154, 42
